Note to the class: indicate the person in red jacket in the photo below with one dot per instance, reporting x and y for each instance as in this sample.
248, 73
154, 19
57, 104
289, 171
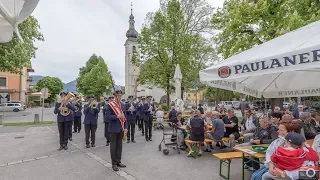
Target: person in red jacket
294, 154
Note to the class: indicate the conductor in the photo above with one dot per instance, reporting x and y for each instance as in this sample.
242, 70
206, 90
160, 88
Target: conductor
116, 131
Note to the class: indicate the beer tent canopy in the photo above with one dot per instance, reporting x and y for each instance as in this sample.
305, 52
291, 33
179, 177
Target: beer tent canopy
287, 66
13, 12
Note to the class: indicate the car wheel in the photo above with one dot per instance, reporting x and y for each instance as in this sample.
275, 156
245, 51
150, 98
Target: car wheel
16, 110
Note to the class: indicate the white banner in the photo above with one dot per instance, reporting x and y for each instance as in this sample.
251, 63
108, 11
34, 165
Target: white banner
293, 93
233, 86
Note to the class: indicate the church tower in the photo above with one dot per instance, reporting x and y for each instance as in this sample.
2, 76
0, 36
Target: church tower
131, 71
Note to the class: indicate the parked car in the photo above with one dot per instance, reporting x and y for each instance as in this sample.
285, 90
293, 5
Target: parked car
15, 107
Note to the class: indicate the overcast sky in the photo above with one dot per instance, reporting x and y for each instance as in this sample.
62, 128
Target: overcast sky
75, 29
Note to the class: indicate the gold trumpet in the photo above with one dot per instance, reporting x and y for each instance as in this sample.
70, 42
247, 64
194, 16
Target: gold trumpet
65, 111
93, 105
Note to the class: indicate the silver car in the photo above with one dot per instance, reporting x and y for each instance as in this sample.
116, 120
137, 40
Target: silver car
15, 107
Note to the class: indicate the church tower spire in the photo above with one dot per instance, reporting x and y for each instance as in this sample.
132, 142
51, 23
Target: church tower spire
131, 47
131, 33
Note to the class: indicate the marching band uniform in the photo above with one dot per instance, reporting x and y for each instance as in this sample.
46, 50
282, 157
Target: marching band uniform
116, 134
63, 122
77, 117
141, 114
131, 119
148, 118
106, 121
90, 121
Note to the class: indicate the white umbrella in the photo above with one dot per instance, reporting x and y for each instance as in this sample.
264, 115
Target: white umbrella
13, 12
287, 66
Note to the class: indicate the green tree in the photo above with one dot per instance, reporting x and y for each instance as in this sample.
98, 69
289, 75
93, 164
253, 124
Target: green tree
54, 85
95, 81
241, 25
216, 94
244, 24
14, 55
91, 63
172, 37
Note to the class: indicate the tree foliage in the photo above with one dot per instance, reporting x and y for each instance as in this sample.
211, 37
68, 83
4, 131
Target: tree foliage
54, 85
173, 35
94, 78
15, 54
244, 24
216, 94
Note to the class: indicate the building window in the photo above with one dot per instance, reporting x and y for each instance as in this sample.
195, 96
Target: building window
134, 49
3, 81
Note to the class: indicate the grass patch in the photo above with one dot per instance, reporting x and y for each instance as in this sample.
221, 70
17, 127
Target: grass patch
28, 123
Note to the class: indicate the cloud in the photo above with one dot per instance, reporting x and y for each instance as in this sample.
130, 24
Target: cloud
75, 29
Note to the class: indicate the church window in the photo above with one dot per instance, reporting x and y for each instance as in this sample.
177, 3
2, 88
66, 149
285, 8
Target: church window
134, 49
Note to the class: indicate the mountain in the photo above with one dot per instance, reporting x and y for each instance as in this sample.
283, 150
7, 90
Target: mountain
35, 79
70, 86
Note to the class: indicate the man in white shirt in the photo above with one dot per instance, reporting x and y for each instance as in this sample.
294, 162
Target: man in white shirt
249, 125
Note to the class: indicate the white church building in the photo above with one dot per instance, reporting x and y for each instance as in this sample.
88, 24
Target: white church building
132, 72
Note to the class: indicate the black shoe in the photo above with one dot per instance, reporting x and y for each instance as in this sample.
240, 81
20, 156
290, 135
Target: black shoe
74, 131
78, 131
61, 147
206, 150
88, 146
128, 141
65, 147
70, 139
133, 141
147, 139
150, 139
92, 145
121, 165
222, 147
218, 144
115, 168
108, 143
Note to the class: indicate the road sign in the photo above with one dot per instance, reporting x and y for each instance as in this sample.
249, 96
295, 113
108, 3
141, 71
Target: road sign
44, 93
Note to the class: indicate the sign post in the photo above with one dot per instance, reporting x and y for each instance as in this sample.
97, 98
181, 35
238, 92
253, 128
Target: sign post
44, 95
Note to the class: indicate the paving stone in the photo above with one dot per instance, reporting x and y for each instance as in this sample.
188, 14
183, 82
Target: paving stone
129, 177
122, 173
3, 165
15, 162
27, 160
102, 161
42, 157
108, 165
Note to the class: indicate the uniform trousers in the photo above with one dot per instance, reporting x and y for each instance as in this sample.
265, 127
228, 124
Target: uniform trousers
116, 146
77, 124
148, 128
90, 130
106, 131
131, 129
63, 128
70, 129
141, 124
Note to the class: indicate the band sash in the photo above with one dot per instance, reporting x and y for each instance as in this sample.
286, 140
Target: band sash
117, 110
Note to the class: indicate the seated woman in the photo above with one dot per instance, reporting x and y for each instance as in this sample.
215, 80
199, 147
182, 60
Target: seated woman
197, 127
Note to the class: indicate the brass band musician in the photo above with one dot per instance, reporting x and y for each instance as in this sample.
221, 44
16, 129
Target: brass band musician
91, 112
77, 114
64, 118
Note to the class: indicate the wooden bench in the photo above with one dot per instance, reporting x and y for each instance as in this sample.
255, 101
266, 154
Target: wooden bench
226, 139
225, 160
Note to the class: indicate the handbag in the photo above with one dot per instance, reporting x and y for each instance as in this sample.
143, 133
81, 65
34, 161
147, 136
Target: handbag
257, 175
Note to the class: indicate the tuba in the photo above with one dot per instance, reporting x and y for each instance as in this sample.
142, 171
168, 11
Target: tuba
65, 110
